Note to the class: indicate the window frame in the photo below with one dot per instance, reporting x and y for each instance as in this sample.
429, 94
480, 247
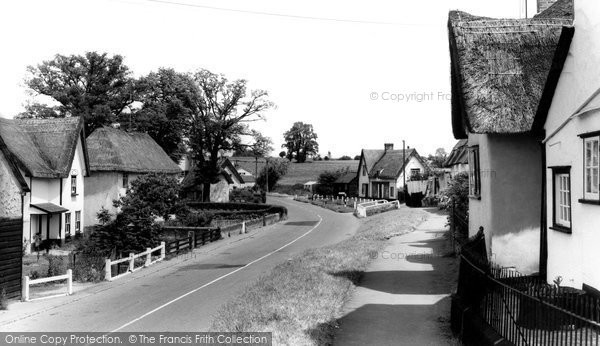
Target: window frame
77, 222
73, 185
125, 180
392, 190
590, 197
474, 172
365, 189
68, 225
556, 173
364, 169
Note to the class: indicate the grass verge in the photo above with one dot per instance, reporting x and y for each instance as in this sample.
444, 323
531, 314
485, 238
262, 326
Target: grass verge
301, 299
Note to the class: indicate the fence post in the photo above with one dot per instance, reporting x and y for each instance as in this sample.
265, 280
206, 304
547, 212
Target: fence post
25, 288
192, 239
243, 227
148, 257
131, 261
107, 273
69, 281
162, 250
264, 220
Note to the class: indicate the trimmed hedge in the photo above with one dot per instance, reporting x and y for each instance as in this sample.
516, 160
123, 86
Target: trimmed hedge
238, 208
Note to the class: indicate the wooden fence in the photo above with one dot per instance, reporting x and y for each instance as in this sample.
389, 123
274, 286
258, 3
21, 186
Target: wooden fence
11, 256
133, 262
27, 283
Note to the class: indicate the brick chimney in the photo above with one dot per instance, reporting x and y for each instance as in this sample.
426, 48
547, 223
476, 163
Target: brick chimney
542, 5
388, 146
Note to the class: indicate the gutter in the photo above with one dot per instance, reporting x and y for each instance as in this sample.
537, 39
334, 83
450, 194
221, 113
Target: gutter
580, 111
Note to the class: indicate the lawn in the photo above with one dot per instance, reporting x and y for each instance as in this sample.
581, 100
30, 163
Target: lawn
300, 173
301, 299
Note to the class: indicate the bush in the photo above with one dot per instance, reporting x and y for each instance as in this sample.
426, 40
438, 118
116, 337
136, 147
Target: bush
198, 219
89, 261
247, 195
345, 158
34, 274
57, 265
276, 170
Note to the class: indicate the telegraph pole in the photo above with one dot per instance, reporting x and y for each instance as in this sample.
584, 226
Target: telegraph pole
404, 171
267, 173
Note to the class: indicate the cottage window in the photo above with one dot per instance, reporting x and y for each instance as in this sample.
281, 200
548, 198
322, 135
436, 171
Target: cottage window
562, 199
125, 180
67, 225
364, 170
474, 172
365, 189
391, 192
591, 167
78, 222
414, 172
73, 185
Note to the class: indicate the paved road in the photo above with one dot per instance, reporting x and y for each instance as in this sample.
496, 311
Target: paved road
182, 294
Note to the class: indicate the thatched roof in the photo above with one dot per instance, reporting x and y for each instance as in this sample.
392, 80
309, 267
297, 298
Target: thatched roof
560, 9
388, 164
44, 148
114, 150
346, 178
458, 155
499, 69
191, 180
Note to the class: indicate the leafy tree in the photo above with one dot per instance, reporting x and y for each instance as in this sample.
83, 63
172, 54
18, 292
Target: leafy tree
345, 158
261, 146
104, 216
219, 120
282, 154
300, 141
326, 180
326, 158
357, 157
96, 86
149, 196
276, 168
168, 99
438, 159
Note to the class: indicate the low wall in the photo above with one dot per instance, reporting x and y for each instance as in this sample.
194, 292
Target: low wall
251, 224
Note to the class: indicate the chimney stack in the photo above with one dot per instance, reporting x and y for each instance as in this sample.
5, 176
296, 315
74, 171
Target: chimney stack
543, 5
388, 146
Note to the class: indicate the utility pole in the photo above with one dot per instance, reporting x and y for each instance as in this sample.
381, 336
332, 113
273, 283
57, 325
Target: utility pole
404, 170
267, 173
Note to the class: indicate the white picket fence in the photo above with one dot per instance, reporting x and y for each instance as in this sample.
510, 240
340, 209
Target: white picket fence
363, 209
131, 259
27, 283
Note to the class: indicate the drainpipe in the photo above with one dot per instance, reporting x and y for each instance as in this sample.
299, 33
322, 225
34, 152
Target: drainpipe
543, 222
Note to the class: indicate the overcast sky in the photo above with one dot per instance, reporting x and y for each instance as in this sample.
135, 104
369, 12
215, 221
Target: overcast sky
362, 72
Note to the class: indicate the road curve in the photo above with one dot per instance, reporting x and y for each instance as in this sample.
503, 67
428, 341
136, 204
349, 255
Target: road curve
183, 294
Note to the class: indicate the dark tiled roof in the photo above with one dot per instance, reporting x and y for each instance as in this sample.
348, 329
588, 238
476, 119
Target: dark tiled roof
115, 150
560, 9
50, 208
43, 148
346, 178
499, 69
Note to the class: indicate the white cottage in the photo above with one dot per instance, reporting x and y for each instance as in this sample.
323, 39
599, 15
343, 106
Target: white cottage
51, 155
499, 78
572, 156
381, 171
116, 159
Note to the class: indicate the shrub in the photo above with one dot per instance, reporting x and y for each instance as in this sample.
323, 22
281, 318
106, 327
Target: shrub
150, 195
88, 268
34, 274
57, 265
345, 158
198, 219
104, 216
3, 299
276, 170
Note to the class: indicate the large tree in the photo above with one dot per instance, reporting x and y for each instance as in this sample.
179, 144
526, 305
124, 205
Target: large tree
300, 141
95, 86
219, 121
437, 160
167, 99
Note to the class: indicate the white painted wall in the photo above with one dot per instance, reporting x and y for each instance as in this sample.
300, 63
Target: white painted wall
10, 195
362, 178
575, 256
102, 188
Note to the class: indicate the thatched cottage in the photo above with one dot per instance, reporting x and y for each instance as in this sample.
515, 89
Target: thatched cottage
228, 179
572, 155
457, 161
381, 171
500, 70
51, 156
116, 159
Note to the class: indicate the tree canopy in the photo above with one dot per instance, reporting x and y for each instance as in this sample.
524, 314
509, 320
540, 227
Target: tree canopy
301, 142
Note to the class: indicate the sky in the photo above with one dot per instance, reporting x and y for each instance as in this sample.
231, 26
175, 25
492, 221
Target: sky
363, 73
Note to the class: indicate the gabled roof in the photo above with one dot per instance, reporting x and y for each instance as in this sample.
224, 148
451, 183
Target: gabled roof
190, 179
560, 9
44, 148
13, 166
114, 150
225, 163
387, 164
499, 69
346, 178
458, 155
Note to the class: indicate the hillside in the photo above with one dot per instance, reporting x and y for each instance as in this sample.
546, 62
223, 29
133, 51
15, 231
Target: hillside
300, 173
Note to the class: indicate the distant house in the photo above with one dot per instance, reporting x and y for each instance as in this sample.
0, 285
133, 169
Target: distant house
250, 164
458, 161
347, 183
228, 179
51, 156
117, 158
249, 179
381, 171
572, 155
311, 186
498, 79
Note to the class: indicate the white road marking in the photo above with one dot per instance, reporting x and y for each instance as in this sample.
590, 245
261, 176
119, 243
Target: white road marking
217, 279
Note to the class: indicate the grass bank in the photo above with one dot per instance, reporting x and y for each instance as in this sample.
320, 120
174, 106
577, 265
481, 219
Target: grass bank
301, 299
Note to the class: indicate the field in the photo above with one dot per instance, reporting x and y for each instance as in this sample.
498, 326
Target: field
300, 173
